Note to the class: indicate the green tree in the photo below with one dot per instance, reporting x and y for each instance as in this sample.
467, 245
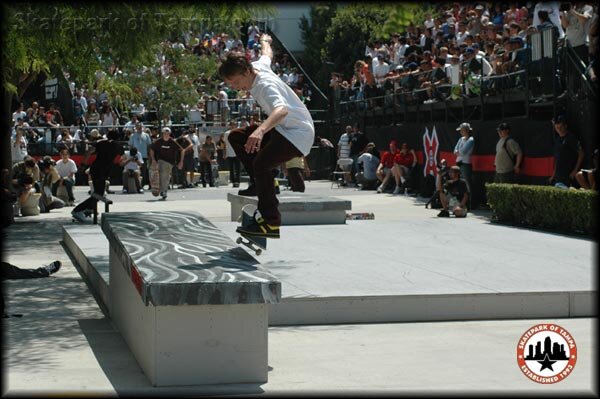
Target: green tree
83, 38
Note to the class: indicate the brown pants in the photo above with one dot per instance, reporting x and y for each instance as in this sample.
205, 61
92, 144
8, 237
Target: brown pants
274, 150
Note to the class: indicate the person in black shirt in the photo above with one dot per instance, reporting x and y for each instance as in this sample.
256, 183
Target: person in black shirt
165, 153
455, 195
568, 154
106, 151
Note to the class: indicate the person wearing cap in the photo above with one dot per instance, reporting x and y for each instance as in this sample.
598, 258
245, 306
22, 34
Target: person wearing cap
509, 156
106, 150
463, 150
386, 164
288, 132
568, 154
454, 195
164, 154
50, 177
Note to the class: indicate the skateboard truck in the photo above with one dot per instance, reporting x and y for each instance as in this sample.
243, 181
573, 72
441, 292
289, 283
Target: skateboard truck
251, 244
254, 243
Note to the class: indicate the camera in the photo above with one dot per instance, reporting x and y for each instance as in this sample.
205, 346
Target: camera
565, 6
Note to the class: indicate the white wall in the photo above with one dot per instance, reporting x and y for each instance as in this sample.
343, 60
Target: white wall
285, 24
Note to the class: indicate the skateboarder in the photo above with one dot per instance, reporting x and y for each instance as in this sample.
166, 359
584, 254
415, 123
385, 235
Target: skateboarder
288, 132
106, 151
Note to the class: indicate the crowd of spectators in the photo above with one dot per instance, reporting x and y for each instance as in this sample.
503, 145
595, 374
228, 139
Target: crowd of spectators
461, 47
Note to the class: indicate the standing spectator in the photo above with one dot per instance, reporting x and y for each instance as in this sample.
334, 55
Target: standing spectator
384, 170
455, 195
142, 141
79, 104
343, 152
107, 118
508, 156
49, 177
18, 114
223, 104
19, 146
66, 169
296, 169
358, 142
404, 162
576, 23
233, 161
187, 172
221, 151
547, 13
568, 154
164, 153
463, 150
92, 117
207, 158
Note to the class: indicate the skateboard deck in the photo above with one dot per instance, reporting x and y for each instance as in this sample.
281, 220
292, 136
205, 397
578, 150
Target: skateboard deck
155, 180
256, 244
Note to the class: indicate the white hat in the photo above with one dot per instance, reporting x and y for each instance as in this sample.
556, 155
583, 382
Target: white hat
166, 129
465, 125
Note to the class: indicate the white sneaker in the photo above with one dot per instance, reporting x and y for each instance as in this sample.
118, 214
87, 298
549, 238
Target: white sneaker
396, 190
380, 189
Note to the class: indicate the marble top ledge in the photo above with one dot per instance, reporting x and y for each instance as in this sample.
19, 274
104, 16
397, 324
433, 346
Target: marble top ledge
298, 201
183, 259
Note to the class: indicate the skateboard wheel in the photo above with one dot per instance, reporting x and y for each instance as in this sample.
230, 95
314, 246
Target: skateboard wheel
258, 252
239, 240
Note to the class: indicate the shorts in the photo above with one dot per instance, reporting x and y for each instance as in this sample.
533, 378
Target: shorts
188, 164
454, 206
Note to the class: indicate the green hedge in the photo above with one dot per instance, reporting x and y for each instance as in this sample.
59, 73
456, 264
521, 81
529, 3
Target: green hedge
546, 207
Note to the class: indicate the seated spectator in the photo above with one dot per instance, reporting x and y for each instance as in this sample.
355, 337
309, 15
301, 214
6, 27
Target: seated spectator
26, 167
49, 177
131, 163
384, 170
367, 163
455, 195
404, 162
66, 169
587, 177
23, 188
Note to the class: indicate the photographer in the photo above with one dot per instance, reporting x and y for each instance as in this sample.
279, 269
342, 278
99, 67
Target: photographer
454, 195
575, 19
26, 167
131, 164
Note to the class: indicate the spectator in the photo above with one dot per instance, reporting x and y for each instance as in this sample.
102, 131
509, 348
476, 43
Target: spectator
296, 169
26, 167
186, 143
384, 170
108, 118
12, 272
19, 146
232, 160
455, 195
358, 142
509, 156
131, 164
367, 162
576, 23
343, 152
568, 154
587, 177
164, 153
23, 188
221, 151
404, 163
547, 15
92, 117
49, 177
463, 150
207, 158
141, 141
79, 104
66, 169
65, 140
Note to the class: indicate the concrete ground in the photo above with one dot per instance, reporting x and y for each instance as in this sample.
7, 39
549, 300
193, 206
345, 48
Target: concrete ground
64, 344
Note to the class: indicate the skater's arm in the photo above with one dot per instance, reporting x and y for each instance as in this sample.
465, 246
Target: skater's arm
265, 46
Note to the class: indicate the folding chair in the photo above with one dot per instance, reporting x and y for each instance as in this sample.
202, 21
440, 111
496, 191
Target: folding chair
339, 173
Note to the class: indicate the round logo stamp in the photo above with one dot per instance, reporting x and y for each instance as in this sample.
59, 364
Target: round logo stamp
546, 353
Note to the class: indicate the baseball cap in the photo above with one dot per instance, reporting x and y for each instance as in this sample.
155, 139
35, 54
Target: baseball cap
166, 129
455, 168
503, 126
516, 39
465, 125
399, 68
469, 50
560, 119
412, 65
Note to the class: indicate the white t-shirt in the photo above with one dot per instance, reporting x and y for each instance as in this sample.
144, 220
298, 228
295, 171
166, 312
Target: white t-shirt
229, 152
16, 115
270, 92
133, 165
64, 169
344, 146
553, 8
18, 150
195, 141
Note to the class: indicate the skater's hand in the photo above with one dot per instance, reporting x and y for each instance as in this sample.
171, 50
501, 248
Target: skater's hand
253, 142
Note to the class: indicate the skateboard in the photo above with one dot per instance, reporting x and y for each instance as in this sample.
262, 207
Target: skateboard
215, 173
256, 244
155, 180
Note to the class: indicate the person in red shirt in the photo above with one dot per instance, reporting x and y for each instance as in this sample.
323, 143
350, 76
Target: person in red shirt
404, 161
384, 170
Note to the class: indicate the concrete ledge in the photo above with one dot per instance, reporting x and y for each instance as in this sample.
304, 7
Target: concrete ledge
416, 308
298, 208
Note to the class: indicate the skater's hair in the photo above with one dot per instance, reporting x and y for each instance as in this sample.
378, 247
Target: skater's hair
235, 63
